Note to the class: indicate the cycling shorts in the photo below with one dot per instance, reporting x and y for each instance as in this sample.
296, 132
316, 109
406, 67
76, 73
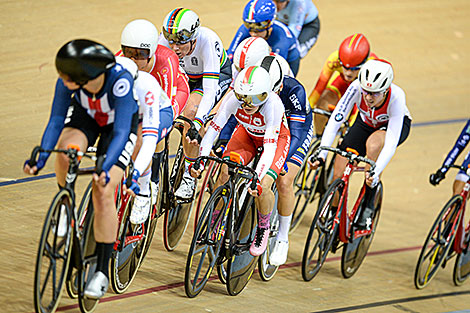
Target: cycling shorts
81, 120
358, 134
247, 146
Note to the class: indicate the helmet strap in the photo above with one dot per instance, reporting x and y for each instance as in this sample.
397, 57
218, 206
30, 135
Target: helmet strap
193, 45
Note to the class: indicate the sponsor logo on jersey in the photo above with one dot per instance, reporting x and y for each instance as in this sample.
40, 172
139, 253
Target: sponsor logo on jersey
295, 101
149, 98
194, 61
121, 87
339, 117
257, 121
217, 49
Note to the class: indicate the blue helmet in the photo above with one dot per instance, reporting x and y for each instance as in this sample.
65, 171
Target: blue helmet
259, 14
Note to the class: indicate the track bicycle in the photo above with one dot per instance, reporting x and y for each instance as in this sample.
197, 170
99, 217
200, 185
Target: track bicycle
332, 225
225, 231
448, 237
310, 185
67, 238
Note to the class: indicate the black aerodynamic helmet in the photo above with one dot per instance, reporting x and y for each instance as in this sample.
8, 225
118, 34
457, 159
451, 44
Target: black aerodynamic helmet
83, 60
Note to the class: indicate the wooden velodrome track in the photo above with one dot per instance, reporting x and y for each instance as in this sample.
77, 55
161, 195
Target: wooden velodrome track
425, 41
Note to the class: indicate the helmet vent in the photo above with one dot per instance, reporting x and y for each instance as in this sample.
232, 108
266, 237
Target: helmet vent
376, 77
384, 83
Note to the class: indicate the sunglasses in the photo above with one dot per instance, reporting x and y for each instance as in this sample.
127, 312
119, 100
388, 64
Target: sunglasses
135, 53
181, 37
259, 26
373, 94
354, 68
251, 101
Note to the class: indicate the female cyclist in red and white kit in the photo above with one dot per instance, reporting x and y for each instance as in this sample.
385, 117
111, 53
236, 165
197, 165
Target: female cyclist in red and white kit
383, 123
260, 113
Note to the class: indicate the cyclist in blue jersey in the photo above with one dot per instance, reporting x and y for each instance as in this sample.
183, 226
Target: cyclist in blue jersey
301, 16
299, 119
259, 21
459, 146
93, 98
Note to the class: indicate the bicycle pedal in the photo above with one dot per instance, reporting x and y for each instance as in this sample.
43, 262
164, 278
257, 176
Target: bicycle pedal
183, 201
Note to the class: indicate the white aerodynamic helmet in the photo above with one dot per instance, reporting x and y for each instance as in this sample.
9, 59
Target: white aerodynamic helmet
181, 26
250, 51
376, 75
140, 34
129, 65
271, 64
252, 86
284, 64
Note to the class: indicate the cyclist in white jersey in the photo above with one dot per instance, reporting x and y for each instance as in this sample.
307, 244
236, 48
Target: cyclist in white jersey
260, 113
383, 124
156, 116
205, 61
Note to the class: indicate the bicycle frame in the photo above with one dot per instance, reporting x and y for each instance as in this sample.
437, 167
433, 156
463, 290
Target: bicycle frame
459, 244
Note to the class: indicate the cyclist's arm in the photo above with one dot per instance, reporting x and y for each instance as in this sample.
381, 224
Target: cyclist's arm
151, 98
458, 147
241, 34
273, 115
339, 116
210, 81
298, 115
331, 64
297, 19
392, 136
169, 67
124, 109
54, 127
228, 107
228, 129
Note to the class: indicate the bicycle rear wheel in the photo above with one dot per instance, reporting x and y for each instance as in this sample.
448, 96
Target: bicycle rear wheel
88, 266
321, 234
267, 271
462, 263
151, 223
54, 252
125, 261
354, 252
438, 242
206, 243
241, 264
306, 184
72, 278
177, 216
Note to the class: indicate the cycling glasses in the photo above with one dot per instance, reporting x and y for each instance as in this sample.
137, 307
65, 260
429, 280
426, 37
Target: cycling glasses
258, 27
373, 94
251, 101
353, 68
136, 53
181, 37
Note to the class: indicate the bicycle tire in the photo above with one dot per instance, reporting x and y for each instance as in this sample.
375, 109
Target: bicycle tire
462, 263
152, 225
321, 233
88, 266
206, 243
439, 246
53, 247
241, 264
72, 279
125, 261
177, 217
205, 190
265, 269
354, 252
306, 183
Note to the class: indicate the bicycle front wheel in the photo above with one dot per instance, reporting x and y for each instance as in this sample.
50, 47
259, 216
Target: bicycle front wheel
354, 252
206, 243
321, 234
438, 242
205, 190
462, 263
53, 258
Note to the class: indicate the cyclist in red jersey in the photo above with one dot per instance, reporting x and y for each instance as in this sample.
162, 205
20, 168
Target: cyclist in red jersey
339, 71
139, 42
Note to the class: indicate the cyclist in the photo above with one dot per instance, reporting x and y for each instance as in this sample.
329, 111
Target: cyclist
459, 146
383, 124
93, 97
202, 56
260, 113
139, 42
339, 71
156, 116
299, 119
259, 21
301, 16
248, 53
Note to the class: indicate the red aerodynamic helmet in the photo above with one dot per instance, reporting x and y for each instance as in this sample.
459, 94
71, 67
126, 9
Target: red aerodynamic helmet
354, 51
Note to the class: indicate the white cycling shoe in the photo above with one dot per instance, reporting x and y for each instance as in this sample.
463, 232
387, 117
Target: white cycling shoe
279, 254
154, 188
187, 187
62, 223
97, 286
140, 209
